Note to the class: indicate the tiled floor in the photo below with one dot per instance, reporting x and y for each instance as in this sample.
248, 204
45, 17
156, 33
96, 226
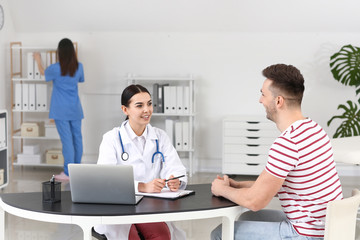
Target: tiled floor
29, 179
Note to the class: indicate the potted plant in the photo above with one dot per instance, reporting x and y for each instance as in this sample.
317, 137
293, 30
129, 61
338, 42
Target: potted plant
345, 67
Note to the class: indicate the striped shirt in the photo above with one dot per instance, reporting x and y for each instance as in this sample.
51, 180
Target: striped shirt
303, 156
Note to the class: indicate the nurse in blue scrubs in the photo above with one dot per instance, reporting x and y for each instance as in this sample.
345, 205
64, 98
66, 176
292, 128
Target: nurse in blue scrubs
65, 106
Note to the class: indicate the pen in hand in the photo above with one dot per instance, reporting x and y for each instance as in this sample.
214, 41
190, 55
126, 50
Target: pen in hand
174, 178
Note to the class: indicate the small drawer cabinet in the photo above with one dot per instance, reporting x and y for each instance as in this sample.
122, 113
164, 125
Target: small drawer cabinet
246, 142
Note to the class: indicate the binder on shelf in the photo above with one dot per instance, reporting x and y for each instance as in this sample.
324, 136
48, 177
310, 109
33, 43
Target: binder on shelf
25, 96
53, 57
155, 98
167, 99
41, 97
186, 100
44, 63
48, 58
18, 96
186, 135
169, 129
161, 98
36, 71
179, 100
32, 103
160, 101
178, 136
30, 65
173, 99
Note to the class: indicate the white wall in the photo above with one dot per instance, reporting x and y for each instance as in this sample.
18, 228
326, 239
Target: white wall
227, 67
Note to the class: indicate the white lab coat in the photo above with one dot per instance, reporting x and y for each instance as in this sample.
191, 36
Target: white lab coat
144, 171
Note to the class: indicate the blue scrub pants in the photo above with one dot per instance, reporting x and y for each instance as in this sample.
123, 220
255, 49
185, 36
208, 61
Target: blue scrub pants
71, 139
264, 224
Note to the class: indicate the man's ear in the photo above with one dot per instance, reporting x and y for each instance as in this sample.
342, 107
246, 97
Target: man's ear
280, 101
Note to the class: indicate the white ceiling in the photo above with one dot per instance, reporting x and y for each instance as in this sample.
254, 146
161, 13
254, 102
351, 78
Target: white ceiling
185, 15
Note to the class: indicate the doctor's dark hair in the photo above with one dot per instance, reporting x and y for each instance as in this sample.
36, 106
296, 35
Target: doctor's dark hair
287, 81
129, 92
67, 57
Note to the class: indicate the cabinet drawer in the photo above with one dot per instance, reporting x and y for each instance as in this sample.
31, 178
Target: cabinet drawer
247, 149
249, 125
248, 140
245, 158
251, 132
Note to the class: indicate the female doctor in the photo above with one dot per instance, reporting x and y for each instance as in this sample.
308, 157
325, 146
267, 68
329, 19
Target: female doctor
149, 150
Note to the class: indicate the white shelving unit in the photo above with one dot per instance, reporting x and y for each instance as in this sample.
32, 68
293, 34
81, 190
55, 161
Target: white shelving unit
246, 143
158, 118
19, 75
4, 159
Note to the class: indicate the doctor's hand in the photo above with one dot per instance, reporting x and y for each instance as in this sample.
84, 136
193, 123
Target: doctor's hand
173, 185
154, 186
218, 184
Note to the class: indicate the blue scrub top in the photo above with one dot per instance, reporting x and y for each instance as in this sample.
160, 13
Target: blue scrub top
65, 102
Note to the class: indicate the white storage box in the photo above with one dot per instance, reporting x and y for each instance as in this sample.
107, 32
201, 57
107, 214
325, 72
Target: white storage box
51, 131
29, 158
54, 156
32, 129
31, 149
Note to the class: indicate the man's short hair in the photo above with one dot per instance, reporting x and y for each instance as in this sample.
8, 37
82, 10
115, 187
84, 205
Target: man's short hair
287, 81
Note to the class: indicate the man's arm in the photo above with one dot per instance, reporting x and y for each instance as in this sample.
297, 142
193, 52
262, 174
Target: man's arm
253, 196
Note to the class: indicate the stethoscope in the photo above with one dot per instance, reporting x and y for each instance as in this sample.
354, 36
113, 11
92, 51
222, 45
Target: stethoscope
125, 155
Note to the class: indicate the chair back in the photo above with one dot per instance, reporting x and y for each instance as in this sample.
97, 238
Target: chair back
341, 218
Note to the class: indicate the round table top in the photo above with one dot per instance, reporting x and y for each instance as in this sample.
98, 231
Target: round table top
201, 200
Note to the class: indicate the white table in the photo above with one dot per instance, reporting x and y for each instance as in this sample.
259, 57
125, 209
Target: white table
202, 205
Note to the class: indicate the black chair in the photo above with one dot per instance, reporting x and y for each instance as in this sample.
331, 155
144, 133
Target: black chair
103, 237
98, 235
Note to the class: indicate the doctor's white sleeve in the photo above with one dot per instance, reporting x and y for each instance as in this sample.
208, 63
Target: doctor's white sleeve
107, 150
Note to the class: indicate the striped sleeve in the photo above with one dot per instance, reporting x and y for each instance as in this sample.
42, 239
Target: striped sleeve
283, 157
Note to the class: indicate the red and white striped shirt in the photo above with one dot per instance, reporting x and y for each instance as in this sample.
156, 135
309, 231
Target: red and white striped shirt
303, 156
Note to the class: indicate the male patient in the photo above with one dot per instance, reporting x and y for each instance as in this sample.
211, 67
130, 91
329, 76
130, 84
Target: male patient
300, 169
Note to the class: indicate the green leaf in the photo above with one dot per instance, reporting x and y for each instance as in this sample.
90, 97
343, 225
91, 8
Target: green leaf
351, 118
345, 65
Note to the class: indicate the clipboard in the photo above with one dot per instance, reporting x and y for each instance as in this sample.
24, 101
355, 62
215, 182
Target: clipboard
167, 194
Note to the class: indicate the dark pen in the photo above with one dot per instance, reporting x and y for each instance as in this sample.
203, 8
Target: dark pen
174, 178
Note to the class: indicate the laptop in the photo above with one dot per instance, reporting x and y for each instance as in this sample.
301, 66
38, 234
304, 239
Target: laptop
104, 184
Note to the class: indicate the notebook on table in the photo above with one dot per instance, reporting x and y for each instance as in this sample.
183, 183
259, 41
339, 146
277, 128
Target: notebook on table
104, 184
